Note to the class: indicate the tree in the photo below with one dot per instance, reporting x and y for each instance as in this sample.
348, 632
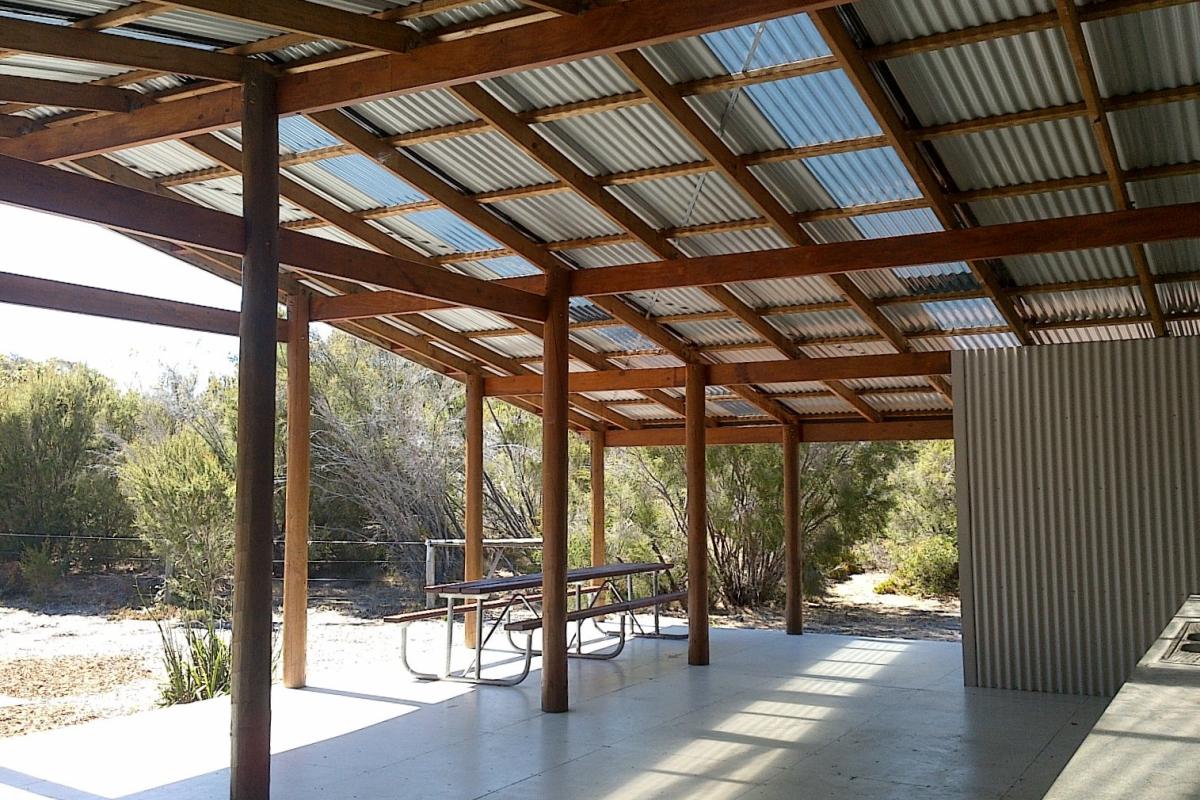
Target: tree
182, 496
844, 499
925, 494
60, 424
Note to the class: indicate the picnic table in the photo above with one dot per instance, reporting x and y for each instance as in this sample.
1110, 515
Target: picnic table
590, 586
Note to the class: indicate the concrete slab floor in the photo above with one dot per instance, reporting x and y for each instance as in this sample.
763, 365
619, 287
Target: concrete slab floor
772, 717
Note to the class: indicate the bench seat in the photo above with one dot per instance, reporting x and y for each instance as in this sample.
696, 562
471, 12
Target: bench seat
532, 624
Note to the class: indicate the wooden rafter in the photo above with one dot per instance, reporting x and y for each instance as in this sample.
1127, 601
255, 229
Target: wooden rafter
311, 19
78, 197
529, 141
71, 95
741, 374
85, 45
1111, 229
892, 430
601, 31
1085, 74
873, 95
346, 130
381, 242
671, 103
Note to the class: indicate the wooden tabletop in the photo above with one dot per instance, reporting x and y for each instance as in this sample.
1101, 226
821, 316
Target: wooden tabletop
533, 580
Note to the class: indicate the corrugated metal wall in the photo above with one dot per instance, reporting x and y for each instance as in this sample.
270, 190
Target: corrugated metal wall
1079, 507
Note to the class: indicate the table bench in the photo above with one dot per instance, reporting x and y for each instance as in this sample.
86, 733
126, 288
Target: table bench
506, 595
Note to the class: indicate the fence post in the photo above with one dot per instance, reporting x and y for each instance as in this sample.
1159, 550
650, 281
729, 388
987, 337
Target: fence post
430, 572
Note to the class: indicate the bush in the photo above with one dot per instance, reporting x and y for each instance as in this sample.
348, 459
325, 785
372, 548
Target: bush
41, 570
199, 664
890, 585
927, 566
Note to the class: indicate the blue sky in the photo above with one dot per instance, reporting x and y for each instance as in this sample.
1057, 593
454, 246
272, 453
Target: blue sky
131, 353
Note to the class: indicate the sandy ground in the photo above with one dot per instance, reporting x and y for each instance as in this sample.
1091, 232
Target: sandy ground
74, 663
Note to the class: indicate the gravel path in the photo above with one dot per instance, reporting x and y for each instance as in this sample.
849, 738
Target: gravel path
64, 668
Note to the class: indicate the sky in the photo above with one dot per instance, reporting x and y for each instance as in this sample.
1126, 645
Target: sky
133, 354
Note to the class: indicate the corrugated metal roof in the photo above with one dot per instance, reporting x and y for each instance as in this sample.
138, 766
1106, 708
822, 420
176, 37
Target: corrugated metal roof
1122, 301
896, 20
1106, 333
1064, 148
1154, 49
1161, 134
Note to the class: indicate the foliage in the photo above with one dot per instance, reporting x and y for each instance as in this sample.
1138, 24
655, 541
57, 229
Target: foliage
925, 497
844, 499
182, 496
198, 663
927, 566
60, 424
41, 569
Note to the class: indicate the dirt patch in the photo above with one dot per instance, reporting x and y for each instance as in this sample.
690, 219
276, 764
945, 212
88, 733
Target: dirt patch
44, 678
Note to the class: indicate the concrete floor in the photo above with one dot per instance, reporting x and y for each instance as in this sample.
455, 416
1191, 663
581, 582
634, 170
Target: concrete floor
774, 716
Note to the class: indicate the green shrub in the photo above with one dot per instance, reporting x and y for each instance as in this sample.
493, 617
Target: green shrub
199, 663
928, 566
890, 585
41, 569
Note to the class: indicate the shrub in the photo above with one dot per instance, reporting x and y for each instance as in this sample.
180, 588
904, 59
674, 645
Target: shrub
41, 570
198, 664
928, 566
890, 585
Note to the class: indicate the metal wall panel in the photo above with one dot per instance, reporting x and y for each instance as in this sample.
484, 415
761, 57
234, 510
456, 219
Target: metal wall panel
1079, 507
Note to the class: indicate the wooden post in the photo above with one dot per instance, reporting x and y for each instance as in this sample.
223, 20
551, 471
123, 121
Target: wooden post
473, 491
792, 536
295, 543
599, 554
250, 761
697, 518
554, 497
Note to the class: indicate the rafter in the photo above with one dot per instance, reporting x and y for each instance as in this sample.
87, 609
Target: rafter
671, 103
84, 45
872, 92
810, 431
377, 240
1085, 75
350, 132
311, 19
524, 137
67, 194
601, 31
71, 95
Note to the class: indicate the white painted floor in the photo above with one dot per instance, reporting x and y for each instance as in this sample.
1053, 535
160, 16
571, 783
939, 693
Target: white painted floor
773, 716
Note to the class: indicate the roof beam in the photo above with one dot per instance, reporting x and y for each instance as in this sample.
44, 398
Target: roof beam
900, 365
601, 31
887, 431
673, 105
84, 45
75, 299
69, 195
36, 91
1112, 229
872, 92
1085, 73
524, 137
318, 21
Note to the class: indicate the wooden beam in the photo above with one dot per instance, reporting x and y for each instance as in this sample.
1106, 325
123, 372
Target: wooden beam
793, 541
473, 495
737, 374
598, 550
65, 42
67, 194
254, 526
295, 529
557, 6
318, 21
1085, 232
697, 519
601, 31
877, 99
1085, 73
892, 430
11, 126
55, 295
36, 91
555, 480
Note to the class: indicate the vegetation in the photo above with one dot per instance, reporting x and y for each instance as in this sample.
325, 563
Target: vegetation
198, 662
78, 456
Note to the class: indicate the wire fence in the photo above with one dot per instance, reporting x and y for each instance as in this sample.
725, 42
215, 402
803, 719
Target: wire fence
403, 567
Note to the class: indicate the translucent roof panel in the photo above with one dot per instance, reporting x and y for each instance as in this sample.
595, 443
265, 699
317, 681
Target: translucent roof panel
814, 108
864, 176
767, 44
